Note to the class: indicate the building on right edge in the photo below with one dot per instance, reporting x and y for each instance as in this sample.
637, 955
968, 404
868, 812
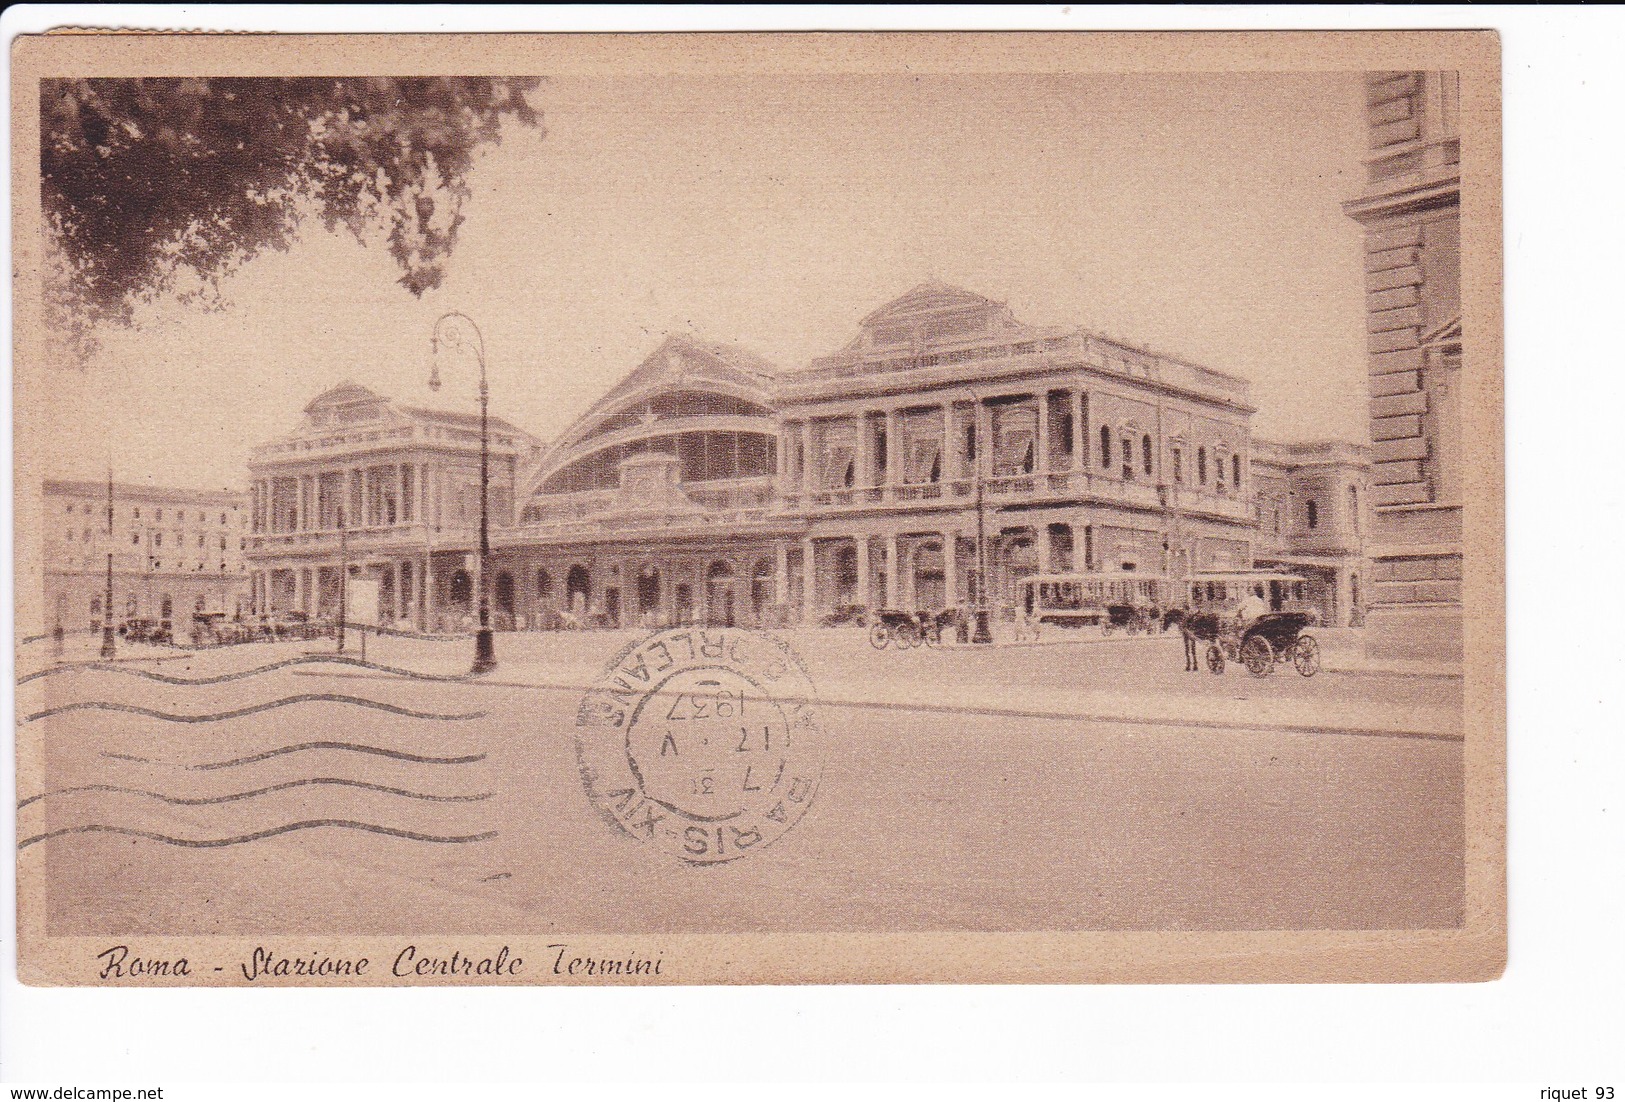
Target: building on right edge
1410, 207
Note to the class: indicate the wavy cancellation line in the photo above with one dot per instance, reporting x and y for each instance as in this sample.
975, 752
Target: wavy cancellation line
286, 828
252, 709
295, 748
202, 801
217, 679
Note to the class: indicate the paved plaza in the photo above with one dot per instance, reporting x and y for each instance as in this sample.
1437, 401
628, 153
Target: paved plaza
1079, 785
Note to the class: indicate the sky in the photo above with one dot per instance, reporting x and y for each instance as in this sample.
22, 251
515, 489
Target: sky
1197, 215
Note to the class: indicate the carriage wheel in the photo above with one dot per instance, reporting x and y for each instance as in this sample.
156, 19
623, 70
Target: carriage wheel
1258, 656
1106, 627
1134, 626
908, 635
1215, 658
931, 635
1306, 655
879, 636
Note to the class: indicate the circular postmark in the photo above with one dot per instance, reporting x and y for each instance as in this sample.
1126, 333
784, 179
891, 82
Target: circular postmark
702, 741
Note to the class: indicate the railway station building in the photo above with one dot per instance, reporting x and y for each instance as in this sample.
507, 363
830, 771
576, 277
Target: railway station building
947, 442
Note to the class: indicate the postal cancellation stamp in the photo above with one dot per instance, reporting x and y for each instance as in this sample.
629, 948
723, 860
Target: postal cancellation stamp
702, 742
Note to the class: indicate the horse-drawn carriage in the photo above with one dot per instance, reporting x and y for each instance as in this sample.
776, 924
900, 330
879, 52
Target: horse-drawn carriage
1273, 638
909, 629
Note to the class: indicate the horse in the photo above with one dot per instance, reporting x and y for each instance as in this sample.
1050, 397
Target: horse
1193, 627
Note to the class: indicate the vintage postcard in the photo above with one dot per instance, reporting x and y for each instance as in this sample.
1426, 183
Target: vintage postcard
710, 509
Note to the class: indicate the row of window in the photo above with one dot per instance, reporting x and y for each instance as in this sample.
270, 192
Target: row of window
152, 564
1176, 458
87, 534
201, 517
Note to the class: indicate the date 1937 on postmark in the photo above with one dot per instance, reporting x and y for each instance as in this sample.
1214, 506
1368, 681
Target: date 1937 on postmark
703, 742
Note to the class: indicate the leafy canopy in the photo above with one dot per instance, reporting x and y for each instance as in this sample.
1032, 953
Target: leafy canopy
155, 186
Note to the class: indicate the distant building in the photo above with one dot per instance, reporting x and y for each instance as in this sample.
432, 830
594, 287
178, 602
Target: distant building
1411, 210
175, 552
1312, 503
711, 486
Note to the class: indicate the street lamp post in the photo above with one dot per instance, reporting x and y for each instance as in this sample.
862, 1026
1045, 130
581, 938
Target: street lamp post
485, 655
344, 578
981, 634
107, 596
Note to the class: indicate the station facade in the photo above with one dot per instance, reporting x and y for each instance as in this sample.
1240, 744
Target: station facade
947, 442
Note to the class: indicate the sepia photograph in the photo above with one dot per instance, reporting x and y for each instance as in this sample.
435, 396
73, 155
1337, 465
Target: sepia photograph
758, 509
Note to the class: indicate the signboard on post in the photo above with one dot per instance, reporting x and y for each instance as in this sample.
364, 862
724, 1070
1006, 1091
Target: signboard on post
361, 600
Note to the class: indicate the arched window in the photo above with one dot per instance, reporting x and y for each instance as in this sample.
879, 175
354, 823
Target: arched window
1354, 508
1201, 466
1145, 452
1235, 470
1105, 447
1178, 456
1128, 457
1313, 513
544, 585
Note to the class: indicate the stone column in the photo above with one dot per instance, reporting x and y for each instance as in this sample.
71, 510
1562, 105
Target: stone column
400, 493
863, 572
428, 592
806, 457
891, 571
1041, 541
781, 573
984, 441
299, 588
867, 475
1080, 433
809, 583
950, 568
1041, 460
893, 451
946, 460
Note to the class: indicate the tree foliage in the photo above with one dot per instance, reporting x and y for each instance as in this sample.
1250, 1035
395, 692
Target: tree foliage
154, 186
